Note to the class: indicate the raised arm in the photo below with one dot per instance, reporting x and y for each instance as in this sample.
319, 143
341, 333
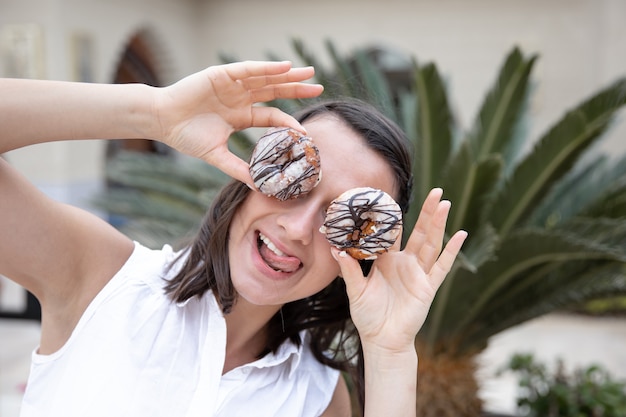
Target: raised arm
195, 115
65, 255
390, 306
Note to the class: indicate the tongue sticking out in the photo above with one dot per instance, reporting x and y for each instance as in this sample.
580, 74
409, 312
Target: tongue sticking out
279, 263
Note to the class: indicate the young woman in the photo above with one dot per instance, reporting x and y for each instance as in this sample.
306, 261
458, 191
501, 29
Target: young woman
259, 313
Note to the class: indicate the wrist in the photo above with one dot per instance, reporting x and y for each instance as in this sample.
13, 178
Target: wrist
386, 358
144, 112
390, 374
389, 345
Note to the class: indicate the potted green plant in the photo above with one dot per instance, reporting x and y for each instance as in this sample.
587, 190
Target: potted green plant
559, 392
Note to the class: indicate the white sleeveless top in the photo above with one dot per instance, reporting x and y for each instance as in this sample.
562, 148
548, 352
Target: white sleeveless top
136, 353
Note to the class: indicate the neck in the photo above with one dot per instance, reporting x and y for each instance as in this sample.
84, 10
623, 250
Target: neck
246, 332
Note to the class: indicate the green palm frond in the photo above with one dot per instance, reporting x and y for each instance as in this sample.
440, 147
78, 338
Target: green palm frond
501, 111
554, 155
152, 205
470, 185
611, 200
322, 76
556, 290
518, 256
129, 167
606, 230
375, 86
571, 194
148, 189
431, 131
346, 81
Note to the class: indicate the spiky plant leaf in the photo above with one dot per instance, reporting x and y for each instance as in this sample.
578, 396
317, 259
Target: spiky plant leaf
479, 250
556, 153
321, 75
470, 185
556, 290
346, 80
188, 172
147, 189
571, 194
152, 205
375, 85
519, 253
611, 200
482, 246
499, 115
606, 230
431, 132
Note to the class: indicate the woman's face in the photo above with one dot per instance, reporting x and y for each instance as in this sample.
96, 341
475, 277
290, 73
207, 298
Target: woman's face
277, 253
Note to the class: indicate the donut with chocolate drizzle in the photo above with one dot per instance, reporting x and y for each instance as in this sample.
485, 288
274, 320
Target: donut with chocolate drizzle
364, 222
285, 164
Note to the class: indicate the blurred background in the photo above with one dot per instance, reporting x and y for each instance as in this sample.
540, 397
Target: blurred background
581, 48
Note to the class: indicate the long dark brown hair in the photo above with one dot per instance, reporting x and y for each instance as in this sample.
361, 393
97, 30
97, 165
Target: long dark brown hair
334, 340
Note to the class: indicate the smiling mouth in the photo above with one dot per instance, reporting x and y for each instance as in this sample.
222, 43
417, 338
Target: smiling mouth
274, 257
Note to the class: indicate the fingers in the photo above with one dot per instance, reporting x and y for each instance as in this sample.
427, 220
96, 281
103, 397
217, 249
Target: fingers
426, 240
427, 236
247, 69
443, 265
420, 230
431, 248
351, 273
293, 75
270, 80
286, 91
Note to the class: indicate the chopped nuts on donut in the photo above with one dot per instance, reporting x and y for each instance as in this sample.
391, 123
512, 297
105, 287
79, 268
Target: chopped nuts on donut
285, 164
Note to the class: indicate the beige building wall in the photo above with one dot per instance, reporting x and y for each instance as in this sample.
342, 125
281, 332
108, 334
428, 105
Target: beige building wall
581, 43
71, 171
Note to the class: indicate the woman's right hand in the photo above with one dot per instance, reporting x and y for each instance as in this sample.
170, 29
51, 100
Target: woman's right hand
197, 114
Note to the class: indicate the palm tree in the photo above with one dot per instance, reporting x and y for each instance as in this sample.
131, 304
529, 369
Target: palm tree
546, 226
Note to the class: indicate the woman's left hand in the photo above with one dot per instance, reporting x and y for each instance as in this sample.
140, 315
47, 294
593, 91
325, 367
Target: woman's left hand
390, 305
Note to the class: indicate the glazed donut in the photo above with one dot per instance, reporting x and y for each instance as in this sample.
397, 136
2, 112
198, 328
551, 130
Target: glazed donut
285, 164
364, 222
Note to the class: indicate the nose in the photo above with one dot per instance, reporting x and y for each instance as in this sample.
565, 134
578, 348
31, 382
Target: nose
301, 219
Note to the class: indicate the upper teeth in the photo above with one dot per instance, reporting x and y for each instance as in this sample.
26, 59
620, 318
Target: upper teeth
271, 245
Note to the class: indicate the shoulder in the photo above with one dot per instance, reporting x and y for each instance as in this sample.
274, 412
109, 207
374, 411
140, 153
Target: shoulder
141, 276
151, 266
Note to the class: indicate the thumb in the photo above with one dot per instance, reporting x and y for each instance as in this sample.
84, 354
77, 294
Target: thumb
350, 272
